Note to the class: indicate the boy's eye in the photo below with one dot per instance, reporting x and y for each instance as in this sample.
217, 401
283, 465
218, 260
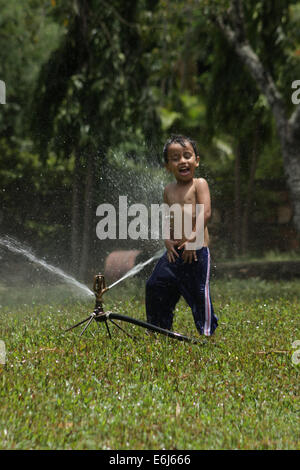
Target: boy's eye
176, 158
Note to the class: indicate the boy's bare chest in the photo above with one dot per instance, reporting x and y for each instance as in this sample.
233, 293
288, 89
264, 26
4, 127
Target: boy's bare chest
182, 195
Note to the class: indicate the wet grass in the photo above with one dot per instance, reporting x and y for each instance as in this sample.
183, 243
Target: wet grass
236, 390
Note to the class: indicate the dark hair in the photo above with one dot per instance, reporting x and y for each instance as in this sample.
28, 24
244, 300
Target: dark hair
178, 139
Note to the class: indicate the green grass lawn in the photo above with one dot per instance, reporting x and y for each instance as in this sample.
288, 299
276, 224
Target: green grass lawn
235, 390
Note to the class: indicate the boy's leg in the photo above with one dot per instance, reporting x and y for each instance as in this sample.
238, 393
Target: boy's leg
162, 294
195, 290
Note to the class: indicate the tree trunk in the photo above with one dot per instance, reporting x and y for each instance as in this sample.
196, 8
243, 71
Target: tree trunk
237, 201
75, 227
88, 217
249, 196
233, 27
291, 161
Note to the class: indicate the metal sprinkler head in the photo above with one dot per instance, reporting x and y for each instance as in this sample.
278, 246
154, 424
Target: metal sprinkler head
98, 314
99, 288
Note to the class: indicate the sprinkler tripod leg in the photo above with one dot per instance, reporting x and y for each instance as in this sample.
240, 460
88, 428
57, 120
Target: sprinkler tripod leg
78, 324
87, 325
107, 329
124, 331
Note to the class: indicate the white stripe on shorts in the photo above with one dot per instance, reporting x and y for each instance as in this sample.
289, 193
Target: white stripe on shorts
207, 299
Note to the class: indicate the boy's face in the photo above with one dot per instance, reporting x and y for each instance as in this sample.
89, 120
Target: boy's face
182, 161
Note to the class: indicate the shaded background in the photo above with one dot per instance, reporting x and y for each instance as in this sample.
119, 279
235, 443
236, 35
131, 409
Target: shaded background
94, 88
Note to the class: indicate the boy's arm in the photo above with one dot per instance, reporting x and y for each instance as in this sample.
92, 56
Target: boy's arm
203, 197
170, 244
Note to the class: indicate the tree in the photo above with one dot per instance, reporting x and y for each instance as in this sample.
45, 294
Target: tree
93, 90
27, 37
233, 25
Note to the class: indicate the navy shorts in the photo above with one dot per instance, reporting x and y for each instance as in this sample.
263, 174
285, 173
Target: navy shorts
169, 281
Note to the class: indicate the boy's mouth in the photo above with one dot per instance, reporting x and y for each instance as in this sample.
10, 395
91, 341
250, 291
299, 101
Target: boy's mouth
184, 171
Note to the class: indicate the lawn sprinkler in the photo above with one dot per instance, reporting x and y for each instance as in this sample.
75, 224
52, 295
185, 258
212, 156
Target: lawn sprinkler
99, 315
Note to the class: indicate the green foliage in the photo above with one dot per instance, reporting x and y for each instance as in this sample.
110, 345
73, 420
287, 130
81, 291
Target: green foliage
100, 78
94, 85
27, 36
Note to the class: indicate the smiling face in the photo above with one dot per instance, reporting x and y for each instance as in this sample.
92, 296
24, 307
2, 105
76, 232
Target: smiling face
182, 161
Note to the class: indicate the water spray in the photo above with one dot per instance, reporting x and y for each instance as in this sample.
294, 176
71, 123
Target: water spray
16, 247
99, 289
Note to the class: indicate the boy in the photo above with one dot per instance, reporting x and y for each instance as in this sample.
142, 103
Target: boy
182, 270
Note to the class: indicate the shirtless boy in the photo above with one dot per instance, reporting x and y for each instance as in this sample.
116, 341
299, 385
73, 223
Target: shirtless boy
182, 270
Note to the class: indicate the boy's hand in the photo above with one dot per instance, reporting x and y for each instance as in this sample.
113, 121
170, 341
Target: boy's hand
171, 252
188, 256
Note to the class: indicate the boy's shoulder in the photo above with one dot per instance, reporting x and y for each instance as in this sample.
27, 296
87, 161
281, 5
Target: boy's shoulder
197, 182
170, 186
200, 183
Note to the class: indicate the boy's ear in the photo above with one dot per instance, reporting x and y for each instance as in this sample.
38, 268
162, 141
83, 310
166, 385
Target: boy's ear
197, 160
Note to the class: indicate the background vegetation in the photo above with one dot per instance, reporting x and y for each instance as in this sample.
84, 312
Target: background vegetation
93, 90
